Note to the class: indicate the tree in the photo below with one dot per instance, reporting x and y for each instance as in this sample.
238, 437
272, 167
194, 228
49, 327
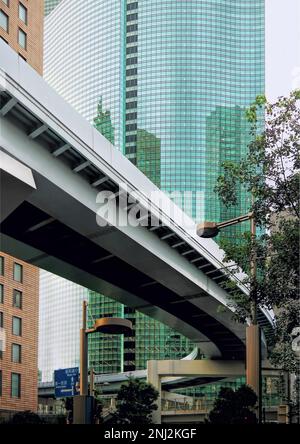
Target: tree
98, 408
270, 174
69, 406
135, 403
26, 417
234, 407
295, 402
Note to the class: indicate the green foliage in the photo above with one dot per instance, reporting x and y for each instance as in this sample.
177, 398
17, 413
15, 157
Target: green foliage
281, 281
69, 406
282, 354
295, 404
98, 408
135, 403
270, 173
234, 407
270, 170
251, 112
26, 417
241, 252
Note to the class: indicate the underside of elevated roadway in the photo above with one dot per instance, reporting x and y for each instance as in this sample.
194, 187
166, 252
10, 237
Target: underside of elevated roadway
54, 165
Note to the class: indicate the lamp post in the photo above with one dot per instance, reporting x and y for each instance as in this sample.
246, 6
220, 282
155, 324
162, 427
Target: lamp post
253, 333
83, 402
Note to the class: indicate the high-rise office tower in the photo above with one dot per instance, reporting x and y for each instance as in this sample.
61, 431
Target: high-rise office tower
60, 314
167, 82
150, 339
166, 73
21, 27
60, 323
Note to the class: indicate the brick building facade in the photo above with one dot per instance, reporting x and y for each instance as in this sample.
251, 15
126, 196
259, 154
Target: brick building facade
21, 27
19, 292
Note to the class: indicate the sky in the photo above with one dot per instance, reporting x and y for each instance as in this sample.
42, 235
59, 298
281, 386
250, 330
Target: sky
282, 47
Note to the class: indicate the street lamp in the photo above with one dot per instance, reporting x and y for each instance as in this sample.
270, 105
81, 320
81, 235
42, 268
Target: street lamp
113, 326
253, 334
212, 229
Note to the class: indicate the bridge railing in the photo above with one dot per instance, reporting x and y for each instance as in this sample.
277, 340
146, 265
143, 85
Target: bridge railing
205, 405
185, 404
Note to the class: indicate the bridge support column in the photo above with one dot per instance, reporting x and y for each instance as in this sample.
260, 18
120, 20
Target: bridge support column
253, 363
153, 377
206, 368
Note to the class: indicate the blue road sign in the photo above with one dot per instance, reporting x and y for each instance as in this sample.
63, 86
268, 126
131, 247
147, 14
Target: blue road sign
65, 382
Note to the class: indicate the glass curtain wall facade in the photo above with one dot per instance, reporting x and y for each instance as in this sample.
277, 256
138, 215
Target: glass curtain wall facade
83, 46
105, 351
154, 340
60, 320
192, 68
167, 82
82, 61
150, 339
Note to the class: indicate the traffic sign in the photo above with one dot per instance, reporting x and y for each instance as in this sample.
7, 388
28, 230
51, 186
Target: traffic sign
66, 382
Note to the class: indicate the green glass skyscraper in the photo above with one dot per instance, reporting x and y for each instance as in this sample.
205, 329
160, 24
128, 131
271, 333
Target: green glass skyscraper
168, 82
187, 69
150, 339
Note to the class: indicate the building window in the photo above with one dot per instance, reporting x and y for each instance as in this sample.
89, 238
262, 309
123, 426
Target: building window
17, 299
22, 39
23, 13
17, 326
18, 272
15, 385
1, 265
1, 294
16, 353
1, 339
4, 20
1, 348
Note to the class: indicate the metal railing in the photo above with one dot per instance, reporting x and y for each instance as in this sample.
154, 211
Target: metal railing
205, 405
